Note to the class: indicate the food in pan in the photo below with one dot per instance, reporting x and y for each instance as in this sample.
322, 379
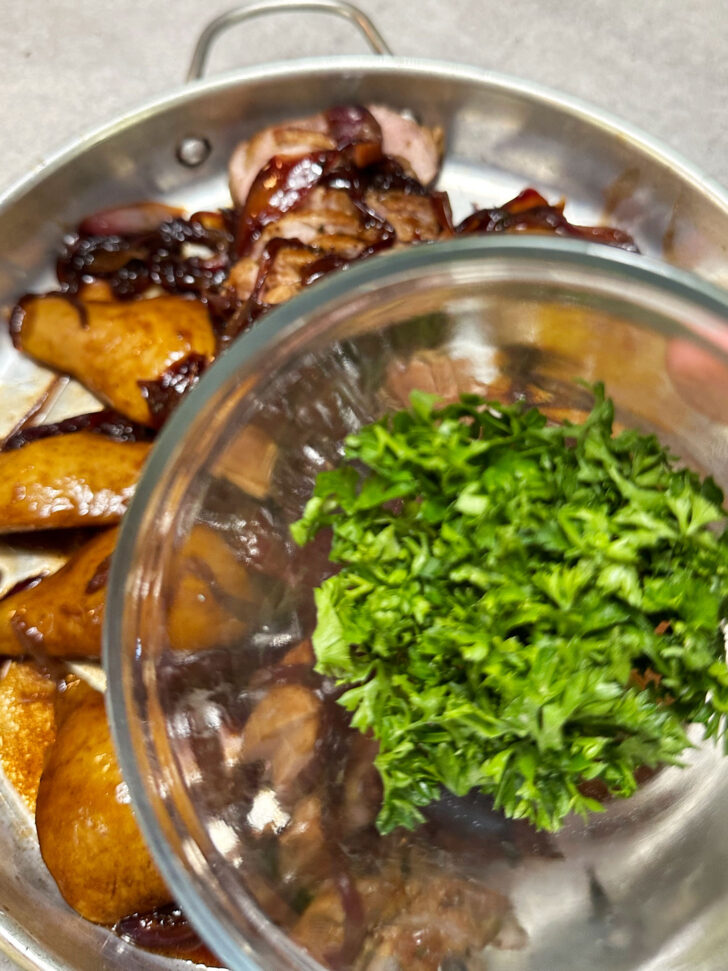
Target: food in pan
147, 299
81, 803
60, 615
70, 480
146, 340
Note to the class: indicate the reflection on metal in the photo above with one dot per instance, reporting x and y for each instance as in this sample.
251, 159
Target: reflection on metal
193, 150
223, 23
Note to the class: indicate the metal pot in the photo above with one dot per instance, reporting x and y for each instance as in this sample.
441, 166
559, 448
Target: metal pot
501, 135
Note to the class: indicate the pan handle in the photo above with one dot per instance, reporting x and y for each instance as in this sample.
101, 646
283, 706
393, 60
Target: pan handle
339, 8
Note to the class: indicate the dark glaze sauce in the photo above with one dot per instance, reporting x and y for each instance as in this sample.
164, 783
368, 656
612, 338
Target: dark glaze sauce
105, 422
132, 262
25, 584
163, 393
355, 125
529, 212
168, 931
101, 576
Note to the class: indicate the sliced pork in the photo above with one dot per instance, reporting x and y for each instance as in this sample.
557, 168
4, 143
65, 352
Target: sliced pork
282, 732
293, 139
417, 147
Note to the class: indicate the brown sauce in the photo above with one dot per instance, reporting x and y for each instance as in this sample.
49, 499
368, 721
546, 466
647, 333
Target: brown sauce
27, 583
167, 931
132, 263
529, 212
104, 422
163, 393
101, 576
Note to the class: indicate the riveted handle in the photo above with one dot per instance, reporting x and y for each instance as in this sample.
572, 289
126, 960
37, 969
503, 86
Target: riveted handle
338, 8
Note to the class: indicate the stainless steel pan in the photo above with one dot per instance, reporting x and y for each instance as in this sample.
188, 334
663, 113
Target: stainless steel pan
501, 134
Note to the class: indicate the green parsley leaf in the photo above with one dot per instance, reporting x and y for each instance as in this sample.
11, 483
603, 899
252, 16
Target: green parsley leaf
521, 607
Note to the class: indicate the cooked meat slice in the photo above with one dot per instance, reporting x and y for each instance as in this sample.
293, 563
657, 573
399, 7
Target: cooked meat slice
443, 917
282, 731
77, 479
88, 836
362, 793
413, 217
119, 351
328, 223
325, 928
409, 917
301, 657
302, 855
345, 125
418, 147
209, 586
285, 276
243, 276
289, 139
319, 231
62, 615
300, 654
320, 929
279, 278
268, 898
447, 375
327, 219
248, 461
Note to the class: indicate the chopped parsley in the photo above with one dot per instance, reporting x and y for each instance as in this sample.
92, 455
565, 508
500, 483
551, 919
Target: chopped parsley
521, 606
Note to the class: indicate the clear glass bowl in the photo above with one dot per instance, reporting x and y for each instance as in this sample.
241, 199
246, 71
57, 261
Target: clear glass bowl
208, 595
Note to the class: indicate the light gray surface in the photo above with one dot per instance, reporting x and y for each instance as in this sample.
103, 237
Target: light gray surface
67, 66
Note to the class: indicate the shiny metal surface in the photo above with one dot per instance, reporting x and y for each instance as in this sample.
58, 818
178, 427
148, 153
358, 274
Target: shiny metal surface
640, 887
501, 134
239, 15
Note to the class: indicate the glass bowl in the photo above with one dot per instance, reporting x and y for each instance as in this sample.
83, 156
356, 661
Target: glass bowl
263, 829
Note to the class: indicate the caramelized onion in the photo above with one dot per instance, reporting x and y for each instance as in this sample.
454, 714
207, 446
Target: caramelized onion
104, 422
529, 212
139, 217
164, 929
